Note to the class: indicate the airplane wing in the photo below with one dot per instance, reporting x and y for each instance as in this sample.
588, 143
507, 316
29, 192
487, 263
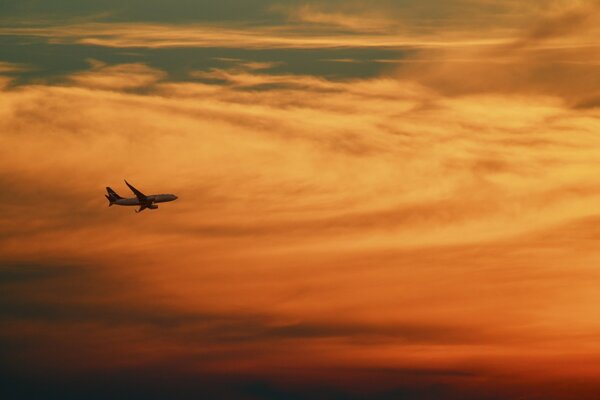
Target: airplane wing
141, 196
143, 206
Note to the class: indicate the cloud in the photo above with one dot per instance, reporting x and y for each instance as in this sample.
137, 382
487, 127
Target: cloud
303, 135
427, 233
146, 35
555, 56
381, 224
304, 24
564, 22
6, 67
51, 293
345, 16
124, 76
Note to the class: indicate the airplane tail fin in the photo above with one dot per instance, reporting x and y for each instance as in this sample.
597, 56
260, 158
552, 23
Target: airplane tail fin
112, 196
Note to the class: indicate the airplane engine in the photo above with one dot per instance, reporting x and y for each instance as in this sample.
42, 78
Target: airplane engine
153, 206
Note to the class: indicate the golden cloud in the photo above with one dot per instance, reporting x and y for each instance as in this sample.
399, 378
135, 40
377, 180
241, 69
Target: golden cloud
148, 35
557, 56
124, 76
395, 222
6, 67
348, 17
310, 135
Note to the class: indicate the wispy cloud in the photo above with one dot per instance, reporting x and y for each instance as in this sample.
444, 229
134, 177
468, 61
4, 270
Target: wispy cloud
348, 16
435, 225
7, 67
124, 76
163, 35
556, 56
359, 128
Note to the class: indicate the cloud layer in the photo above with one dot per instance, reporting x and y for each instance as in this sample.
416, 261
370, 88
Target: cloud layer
427, 233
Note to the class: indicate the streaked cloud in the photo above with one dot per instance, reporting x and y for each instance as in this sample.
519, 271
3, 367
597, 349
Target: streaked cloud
346, 16
124, 76
429, 232
7, 67
556, 57
161, 36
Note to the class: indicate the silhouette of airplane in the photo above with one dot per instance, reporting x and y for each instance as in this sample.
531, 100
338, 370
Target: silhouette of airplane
140, 199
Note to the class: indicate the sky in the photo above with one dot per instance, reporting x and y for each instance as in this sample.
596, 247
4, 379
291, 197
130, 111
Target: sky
382, 200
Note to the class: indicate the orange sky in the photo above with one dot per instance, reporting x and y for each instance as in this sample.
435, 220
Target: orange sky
428, 232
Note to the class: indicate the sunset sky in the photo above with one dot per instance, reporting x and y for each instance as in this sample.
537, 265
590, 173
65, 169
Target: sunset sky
394, 199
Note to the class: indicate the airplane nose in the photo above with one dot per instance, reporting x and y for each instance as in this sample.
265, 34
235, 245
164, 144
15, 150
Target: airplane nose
175, 197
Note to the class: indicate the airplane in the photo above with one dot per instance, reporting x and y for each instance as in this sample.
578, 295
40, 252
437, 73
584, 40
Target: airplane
140, 199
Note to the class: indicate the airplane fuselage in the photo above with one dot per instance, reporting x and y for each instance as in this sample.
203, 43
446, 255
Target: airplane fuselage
140, 199
153, 198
